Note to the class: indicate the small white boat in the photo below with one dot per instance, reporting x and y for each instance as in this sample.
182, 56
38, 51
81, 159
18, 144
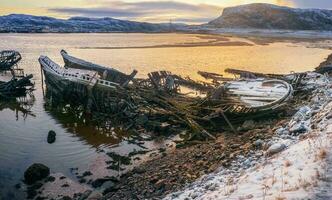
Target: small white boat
252, 95
64, 76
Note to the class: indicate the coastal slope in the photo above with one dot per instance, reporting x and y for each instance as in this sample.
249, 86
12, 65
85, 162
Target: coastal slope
268, 16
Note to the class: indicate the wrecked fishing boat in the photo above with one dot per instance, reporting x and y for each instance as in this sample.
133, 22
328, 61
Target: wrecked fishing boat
252, 96
109, 74
63, 77
8, 59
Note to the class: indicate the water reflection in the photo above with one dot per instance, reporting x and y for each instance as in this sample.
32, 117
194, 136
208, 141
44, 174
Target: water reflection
22, 106
69, 111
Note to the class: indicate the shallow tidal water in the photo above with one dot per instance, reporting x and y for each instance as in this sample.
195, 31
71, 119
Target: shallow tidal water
23, 136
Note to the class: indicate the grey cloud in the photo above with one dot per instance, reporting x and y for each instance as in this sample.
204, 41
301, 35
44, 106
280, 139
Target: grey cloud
148, 9
326, 4
97, 12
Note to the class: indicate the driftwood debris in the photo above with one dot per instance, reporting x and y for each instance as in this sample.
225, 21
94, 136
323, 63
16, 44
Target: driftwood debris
164, 80
216, 78
251, 75
16, 86
293, 78
8, 59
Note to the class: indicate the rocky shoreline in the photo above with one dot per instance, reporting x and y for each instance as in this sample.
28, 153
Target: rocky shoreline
296, 172
187, 171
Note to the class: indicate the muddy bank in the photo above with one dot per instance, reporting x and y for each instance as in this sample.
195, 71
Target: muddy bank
173, 170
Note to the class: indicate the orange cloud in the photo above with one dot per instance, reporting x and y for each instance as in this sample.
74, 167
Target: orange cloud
285, 3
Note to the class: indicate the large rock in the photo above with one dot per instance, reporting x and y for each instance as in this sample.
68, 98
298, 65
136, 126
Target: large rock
95, 195
304, 113
85, 195
259, 143
248, 125
35, 173
51, 137
298, 129
282, 131
276, 148
107, 187
100, 181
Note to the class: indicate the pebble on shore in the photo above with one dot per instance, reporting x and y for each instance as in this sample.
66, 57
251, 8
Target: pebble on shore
36, 172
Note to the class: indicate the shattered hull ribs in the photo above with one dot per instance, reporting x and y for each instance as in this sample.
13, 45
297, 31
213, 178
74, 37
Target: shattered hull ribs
8, 59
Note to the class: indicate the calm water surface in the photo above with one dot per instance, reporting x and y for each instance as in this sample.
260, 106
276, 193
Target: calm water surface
23, 138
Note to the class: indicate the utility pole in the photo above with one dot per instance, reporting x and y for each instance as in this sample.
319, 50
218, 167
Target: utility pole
170, 25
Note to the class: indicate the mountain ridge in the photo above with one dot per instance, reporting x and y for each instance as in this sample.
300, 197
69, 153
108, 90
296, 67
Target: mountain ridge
22, 23
270, 16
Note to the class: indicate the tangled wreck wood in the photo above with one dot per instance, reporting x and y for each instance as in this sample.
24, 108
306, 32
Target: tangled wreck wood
156, 105
13, 82
294, 78
8, 59
16, 86
166, 81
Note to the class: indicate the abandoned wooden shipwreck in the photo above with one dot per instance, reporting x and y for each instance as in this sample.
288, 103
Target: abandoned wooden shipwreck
156, 103
63, 77
106, 73
253, 95
13, 82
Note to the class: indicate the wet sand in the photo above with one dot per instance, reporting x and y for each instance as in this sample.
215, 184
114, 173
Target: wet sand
223, 40
212, 41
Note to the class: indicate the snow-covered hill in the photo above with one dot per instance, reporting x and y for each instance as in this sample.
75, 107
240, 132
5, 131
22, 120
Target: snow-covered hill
29, 23
267, 16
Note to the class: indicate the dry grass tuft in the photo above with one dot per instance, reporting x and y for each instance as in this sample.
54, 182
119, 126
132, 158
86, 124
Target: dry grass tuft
291, 189
288, 163
280, 198
318, 176
322, 154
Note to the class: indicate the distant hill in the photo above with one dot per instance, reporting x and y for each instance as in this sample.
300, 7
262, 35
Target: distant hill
38, 24
267, 16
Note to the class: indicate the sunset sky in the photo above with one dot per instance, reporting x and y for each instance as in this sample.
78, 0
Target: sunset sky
188, 11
